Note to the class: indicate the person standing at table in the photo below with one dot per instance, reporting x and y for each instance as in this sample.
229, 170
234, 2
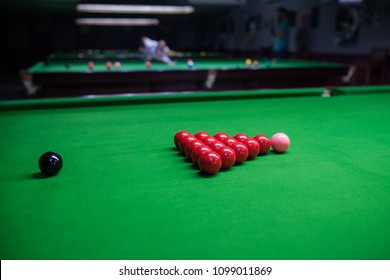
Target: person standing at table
281, 33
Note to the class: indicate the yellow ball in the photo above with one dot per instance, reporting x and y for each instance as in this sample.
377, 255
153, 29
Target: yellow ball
248, 61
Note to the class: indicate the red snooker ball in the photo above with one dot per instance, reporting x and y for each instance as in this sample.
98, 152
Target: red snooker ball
108, 65
241, 152
228, 156
221, 136
210, 162
264, 142
253, 147
201, 134
198, 151
208, 140
229, 141
180, 135
216, 145
117, 64
241, 137
148, 64
184, 141
280, 142
191, 146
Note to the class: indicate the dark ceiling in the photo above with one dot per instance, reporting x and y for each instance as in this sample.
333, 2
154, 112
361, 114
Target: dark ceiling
69, 6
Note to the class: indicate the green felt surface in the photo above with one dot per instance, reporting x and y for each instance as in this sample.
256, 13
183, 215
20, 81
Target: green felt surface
126, 193
201, 64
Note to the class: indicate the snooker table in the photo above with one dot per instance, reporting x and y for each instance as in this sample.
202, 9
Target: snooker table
125, 192
57, 80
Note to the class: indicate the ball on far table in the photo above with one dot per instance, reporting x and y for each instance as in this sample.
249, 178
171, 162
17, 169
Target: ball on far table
91, 65
190, 63
50, 163
117, 64
280, 142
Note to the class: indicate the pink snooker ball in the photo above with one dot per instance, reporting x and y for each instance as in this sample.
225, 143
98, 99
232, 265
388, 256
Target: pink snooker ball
280, 142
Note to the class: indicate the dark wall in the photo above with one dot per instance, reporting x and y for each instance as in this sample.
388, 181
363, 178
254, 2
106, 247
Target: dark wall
29, 38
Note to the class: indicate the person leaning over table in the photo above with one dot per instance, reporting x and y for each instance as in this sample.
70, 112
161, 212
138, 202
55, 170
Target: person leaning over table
157, 50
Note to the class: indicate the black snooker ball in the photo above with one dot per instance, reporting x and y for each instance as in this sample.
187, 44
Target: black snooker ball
50, 163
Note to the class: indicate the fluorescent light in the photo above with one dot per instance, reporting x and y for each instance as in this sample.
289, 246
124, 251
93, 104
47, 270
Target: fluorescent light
350, 1
117, 21
135, 9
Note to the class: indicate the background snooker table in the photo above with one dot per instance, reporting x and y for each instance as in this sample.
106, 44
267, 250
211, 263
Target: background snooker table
126, 193
133, 77
118, 54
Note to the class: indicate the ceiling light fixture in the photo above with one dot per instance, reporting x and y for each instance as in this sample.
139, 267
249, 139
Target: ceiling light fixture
117, 21
134, 9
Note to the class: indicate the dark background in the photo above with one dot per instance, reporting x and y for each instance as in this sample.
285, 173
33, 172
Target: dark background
31, 30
